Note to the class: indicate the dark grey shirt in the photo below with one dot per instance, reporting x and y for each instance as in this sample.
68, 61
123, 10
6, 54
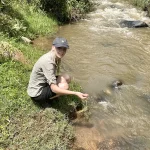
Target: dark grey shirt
43, 73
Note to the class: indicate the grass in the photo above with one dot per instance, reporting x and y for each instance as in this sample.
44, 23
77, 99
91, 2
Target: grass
24, 125
45, 129
40, 24
20, 121
21, 19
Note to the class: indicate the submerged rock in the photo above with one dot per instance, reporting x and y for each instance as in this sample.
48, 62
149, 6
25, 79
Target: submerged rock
116, 84
133, 24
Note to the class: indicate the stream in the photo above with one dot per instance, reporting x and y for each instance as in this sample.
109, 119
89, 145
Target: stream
100, 53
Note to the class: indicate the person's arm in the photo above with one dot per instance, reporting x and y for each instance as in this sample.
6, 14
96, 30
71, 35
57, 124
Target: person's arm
60, 91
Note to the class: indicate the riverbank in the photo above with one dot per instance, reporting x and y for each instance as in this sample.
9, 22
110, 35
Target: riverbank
24, 125
144, 5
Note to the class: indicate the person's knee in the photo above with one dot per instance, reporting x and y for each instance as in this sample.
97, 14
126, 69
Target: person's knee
67, 78
64, 78
64, 86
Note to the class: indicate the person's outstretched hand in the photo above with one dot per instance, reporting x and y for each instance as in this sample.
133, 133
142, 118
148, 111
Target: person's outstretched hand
82, 95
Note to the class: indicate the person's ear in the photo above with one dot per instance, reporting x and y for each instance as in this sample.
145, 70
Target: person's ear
53, 48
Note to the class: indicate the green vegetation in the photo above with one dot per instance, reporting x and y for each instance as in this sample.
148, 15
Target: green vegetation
24, 125
139, 3
20, 19
143, 4
34, 17
64, 10
67, 10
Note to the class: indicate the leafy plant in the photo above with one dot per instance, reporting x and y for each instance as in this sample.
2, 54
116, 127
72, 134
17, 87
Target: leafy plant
7, 52
11, 26
66, 10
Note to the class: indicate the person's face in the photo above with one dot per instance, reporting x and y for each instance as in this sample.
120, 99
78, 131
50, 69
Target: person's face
60, 51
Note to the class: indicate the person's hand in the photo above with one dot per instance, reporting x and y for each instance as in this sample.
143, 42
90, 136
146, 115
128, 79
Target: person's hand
82, 95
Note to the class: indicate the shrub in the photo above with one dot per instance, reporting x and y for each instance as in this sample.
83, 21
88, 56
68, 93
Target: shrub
20, 19
11, 26
66, 10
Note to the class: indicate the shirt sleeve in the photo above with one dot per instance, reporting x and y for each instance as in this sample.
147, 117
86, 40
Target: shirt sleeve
49, 72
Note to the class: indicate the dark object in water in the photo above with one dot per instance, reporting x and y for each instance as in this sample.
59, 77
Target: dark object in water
100, 99
133, 24
117, 84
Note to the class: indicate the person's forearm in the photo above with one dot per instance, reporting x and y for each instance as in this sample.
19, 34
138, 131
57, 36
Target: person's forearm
60, 91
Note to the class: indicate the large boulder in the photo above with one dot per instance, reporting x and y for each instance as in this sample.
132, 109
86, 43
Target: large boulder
133, 24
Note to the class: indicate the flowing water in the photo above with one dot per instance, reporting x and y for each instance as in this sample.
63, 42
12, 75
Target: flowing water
102, 52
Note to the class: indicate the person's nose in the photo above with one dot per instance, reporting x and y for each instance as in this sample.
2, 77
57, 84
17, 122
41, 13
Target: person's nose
62, 52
